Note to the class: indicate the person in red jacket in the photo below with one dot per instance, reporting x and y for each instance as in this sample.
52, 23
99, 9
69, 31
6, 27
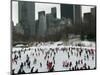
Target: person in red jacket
49, 65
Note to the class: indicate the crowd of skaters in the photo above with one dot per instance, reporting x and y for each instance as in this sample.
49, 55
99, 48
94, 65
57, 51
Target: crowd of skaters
48, 54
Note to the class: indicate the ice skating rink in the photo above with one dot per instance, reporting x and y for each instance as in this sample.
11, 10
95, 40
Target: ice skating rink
36, 58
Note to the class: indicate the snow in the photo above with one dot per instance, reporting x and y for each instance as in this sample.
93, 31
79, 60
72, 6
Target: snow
19, 45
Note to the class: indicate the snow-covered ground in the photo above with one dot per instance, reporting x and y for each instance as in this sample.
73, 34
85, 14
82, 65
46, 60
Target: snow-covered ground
70, 57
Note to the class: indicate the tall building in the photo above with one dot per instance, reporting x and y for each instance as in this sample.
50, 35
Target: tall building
87, 18
42, 28
54, 12
67, 11
71, 11
90, 25
26, 12
48, 20
93, 11
12, 24
51, 18
77, 14
90, 18
19, 29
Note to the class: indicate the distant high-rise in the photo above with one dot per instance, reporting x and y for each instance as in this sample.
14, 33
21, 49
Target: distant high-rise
42, 28
78, 14
87, 18
26, 12
71, 11
54, 12
13, 27
19, 29
49, 20
93, 11
67, 11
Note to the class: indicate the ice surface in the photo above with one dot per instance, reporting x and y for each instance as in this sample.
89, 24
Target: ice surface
41, 50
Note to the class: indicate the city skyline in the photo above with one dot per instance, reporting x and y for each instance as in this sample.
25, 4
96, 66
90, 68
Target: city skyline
44, 7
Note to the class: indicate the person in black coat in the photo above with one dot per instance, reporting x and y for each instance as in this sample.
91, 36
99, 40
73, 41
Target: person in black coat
32, 69
28, 64
36, 71
52, 69
12, 73
21, 71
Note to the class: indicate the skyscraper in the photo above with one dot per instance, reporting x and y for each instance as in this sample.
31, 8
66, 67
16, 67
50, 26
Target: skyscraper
93, 11
54, 12
49, 18
26, 12
42, 28
71, 11
67, 11
77, 14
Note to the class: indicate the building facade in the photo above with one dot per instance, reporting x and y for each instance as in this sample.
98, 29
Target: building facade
26, 15
72, 12
42, 27
54, 12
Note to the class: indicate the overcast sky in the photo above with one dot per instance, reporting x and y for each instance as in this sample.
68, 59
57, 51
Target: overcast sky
41, 7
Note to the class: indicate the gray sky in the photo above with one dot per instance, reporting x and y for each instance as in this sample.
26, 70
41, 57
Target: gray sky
41, 7
15, 12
